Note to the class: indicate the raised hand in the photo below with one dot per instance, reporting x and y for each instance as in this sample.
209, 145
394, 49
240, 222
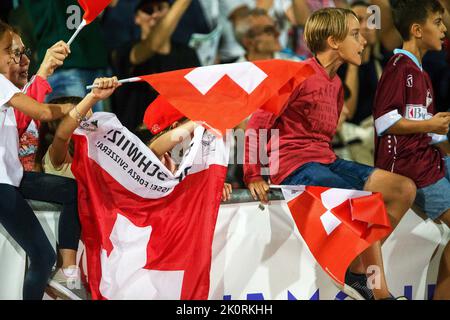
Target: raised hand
104, 87
54, 58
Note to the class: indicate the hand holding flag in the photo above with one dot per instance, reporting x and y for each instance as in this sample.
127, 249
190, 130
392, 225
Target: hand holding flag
221, 96
134, 79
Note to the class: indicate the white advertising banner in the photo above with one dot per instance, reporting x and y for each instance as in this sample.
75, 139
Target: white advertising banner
259, 254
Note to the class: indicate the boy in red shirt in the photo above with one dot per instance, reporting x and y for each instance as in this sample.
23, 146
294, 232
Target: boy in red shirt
306, 128
411, 138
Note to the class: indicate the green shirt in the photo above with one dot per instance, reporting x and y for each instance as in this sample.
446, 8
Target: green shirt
51, 19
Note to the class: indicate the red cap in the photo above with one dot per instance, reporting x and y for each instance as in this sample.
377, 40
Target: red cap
160, 114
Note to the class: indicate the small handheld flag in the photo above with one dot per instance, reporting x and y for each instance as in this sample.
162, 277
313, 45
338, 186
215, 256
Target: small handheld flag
134, 79
92, 8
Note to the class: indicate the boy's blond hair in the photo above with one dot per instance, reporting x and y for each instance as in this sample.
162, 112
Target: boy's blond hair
324, 23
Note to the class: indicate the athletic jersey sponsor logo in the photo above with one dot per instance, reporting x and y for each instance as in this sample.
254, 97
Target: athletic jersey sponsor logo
416, 112
409, 81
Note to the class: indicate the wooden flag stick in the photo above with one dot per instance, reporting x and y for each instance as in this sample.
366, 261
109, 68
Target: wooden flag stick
80, 27
134, 79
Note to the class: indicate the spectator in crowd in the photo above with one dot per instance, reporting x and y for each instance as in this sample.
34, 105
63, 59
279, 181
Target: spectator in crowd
302, 10
411, 136
16, 216
177, 134
118, 23
306, 128
358, 132
436, 63
37, 185
58, 19
207, 28
55, 157
282, 12
258, 35
153, 53
37, 88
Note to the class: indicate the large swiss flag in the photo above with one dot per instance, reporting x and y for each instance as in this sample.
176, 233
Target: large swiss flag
147, 232
221, 96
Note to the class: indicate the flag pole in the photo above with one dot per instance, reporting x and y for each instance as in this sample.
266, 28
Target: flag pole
134, 79
289, 187
80, 27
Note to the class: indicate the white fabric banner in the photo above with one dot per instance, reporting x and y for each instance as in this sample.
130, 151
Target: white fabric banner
259, 254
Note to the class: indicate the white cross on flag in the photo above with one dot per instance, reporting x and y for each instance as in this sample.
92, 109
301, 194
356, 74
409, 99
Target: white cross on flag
337, 224
147, 232
222, 96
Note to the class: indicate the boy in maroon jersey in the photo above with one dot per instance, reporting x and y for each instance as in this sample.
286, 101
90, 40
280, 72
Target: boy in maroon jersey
306, 128
411, 138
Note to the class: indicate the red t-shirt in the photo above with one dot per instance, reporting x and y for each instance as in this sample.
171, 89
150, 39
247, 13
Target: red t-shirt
306, 127
405, 90
37, 88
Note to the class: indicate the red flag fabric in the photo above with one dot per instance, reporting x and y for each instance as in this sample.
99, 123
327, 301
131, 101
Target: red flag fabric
222, 96
147, 232
337, 224
92, 8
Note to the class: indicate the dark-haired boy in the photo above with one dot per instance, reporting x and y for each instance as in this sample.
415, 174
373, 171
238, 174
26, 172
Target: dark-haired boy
411, 138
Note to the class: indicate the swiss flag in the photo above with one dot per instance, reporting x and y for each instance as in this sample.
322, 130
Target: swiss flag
147, 232
337, 224
221, 96
92, 8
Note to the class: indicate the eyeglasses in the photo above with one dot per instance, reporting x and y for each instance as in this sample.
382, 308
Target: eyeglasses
17, 55
269, 29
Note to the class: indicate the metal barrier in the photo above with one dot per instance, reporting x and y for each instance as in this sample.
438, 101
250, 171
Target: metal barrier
244, 195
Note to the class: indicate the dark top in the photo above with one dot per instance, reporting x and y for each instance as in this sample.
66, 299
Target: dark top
368, 80
131, 100
50, 19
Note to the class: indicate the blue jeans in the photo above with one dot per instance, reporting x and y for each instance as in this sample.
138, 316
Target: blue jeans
341, 174
434, 199
19, 220
61, 190
73, 82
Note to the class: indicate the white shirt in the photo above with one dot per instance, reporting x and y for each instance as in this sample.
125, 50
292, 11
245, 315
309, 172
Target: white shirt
11, 170
216, 14
279, 13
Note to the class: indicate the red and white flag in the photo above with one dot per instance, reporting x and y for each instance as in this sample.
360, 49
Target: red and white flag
337, 224
222, 96
92, 8
147, 232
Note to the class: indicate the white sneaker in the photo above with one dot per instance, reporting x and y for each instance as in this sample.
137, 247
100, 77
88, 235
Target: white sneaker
67, 284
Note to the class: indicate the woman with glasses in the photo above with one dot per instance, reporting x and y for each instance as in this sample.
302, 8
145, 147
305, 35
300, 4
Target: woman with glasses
38, 185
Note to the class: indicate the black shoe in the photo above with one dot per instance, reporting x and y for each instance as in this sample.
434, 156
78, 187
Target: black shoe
396, 298
356, 286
